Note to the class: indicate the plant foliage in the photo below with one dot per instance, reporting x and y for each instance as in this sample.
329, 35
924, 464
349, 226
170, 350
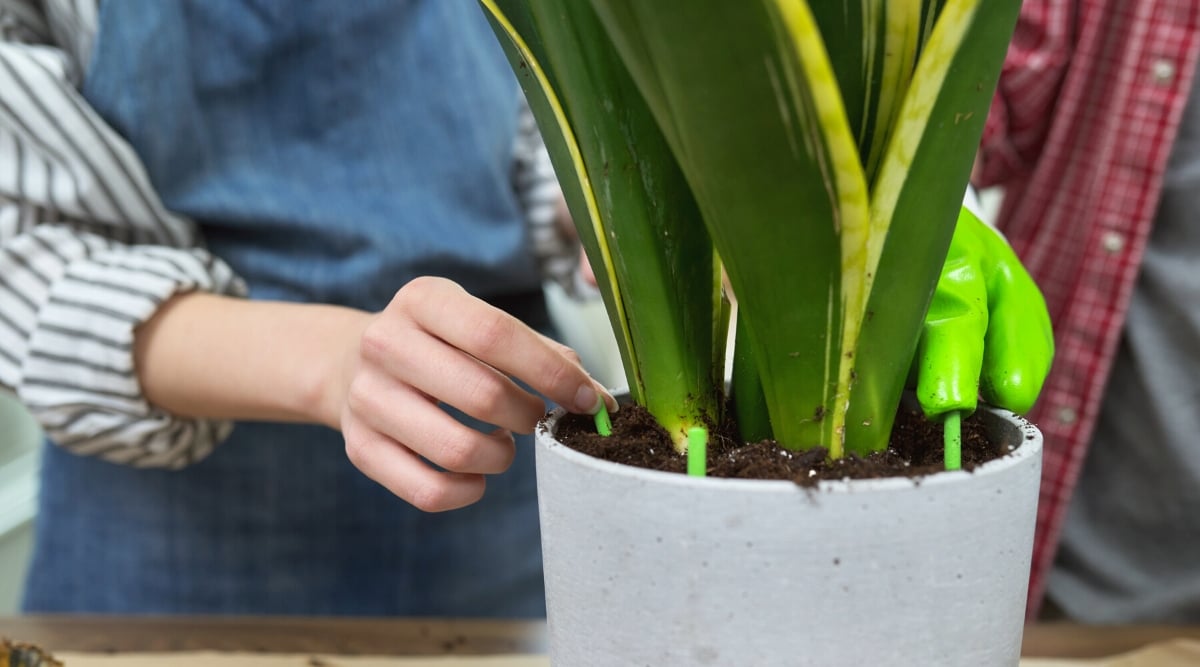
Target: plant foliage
821, 148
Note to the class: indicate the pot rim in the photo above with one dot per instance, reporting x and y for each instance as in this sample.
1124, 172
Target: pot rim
1030, 447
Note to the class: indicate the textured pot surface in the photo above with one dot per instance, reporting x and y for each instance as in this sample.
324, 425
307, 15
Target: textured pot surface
659, 569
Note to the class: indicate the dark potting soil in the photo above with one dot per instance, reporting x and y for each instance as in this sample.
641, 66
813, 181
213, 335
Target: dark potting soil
915, 450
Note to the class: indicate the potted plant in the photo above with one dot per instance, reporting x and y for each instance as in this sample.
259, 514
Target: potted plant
815, 153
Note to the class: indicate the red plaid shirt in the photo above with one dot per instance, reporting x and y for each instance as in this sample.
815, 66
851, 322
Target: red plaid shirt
1079, 134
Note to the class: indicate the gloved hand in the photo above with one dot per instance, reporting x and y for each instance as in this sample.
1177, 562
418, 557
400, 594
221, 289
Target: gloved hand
987, 328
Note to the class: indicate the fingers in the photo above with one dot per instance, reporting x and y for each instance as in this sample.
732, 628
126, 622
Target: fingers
403, 473
1020, 343
446, 311
436, 343
950, 353
988, 326
564, 350
402, 414
450, 375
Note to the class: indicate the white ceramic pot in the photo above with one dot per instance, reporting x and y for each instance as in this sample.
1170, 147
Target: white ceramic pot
656, 569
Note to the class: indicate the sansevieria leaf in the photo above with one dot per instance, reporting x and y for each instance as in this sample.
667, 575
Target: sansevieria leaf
747, 98
874, 51
635, 213
916, 198
825, 146
791, 223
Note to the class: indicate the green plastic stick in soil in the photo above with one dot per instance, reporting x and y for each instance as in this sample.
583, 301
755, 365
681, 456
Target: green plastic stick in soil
952, 427
603, 422
697, 451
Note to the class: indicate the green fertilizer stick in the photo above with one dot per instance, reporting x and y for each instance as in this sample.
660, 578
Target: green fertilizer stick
603, 423
952, 425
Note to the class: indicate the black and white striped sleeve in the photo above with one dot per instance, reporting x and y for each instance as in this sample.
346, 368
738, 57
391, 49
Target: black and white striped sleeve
87, 254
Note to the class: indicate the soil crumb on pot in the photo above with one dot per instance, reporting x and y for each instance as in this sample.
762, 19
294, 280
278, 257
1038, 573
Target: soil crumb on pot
914, 450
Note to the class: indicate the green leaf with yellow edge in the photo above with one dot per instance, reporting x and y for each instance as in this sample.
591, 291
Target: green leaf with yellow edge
636, 216
748, 101
777, 139
738, 87
916, 198
877, 43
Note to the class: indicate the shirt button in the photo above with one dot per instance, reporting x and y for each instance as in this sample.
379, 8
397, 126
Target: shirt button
1067, 415
1112, 242
1163, 71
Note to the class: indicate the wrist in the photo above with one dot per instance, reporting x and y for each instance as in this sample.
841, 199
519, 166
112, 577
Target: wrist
326, 380
214, 357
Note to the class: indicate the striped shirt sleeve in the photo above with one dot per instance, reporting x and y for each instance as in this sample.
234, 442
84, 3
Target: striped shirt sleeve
87, 253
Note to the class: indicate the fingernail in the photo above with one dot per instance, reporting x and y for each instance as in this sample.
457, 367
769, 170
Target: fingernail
609, 401
587, 401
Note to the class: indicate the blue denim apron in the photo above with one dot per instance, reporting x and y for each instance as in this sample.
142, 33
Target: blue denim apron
330, 151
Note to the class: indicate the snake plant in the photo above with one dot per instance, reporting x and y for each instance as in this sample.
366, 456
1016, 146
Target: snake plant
817, 151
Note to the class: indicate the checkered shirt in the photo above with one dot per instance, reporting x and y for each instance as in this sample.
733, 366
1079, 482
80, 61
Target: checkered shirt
1079, 134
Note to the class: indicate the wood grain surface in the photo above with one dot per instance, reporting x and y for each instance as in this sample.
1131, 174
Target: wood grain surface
339, 636
435, 637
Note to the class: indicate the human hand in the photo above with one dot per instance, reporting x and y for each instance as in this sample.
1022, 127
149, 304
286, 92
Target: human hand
987, 328
437, 343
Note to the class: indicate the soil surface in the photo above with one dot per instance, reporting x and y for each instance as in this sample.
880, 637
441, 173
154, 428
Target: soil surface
915, 450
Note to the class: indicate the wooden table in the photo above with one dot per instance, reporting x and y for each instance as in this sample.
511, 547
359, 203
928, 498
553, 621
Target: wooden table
396, 637
344, 636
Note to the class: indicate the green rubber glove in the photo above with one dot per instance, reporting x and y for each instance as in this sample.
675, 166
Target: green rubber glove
987, 328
